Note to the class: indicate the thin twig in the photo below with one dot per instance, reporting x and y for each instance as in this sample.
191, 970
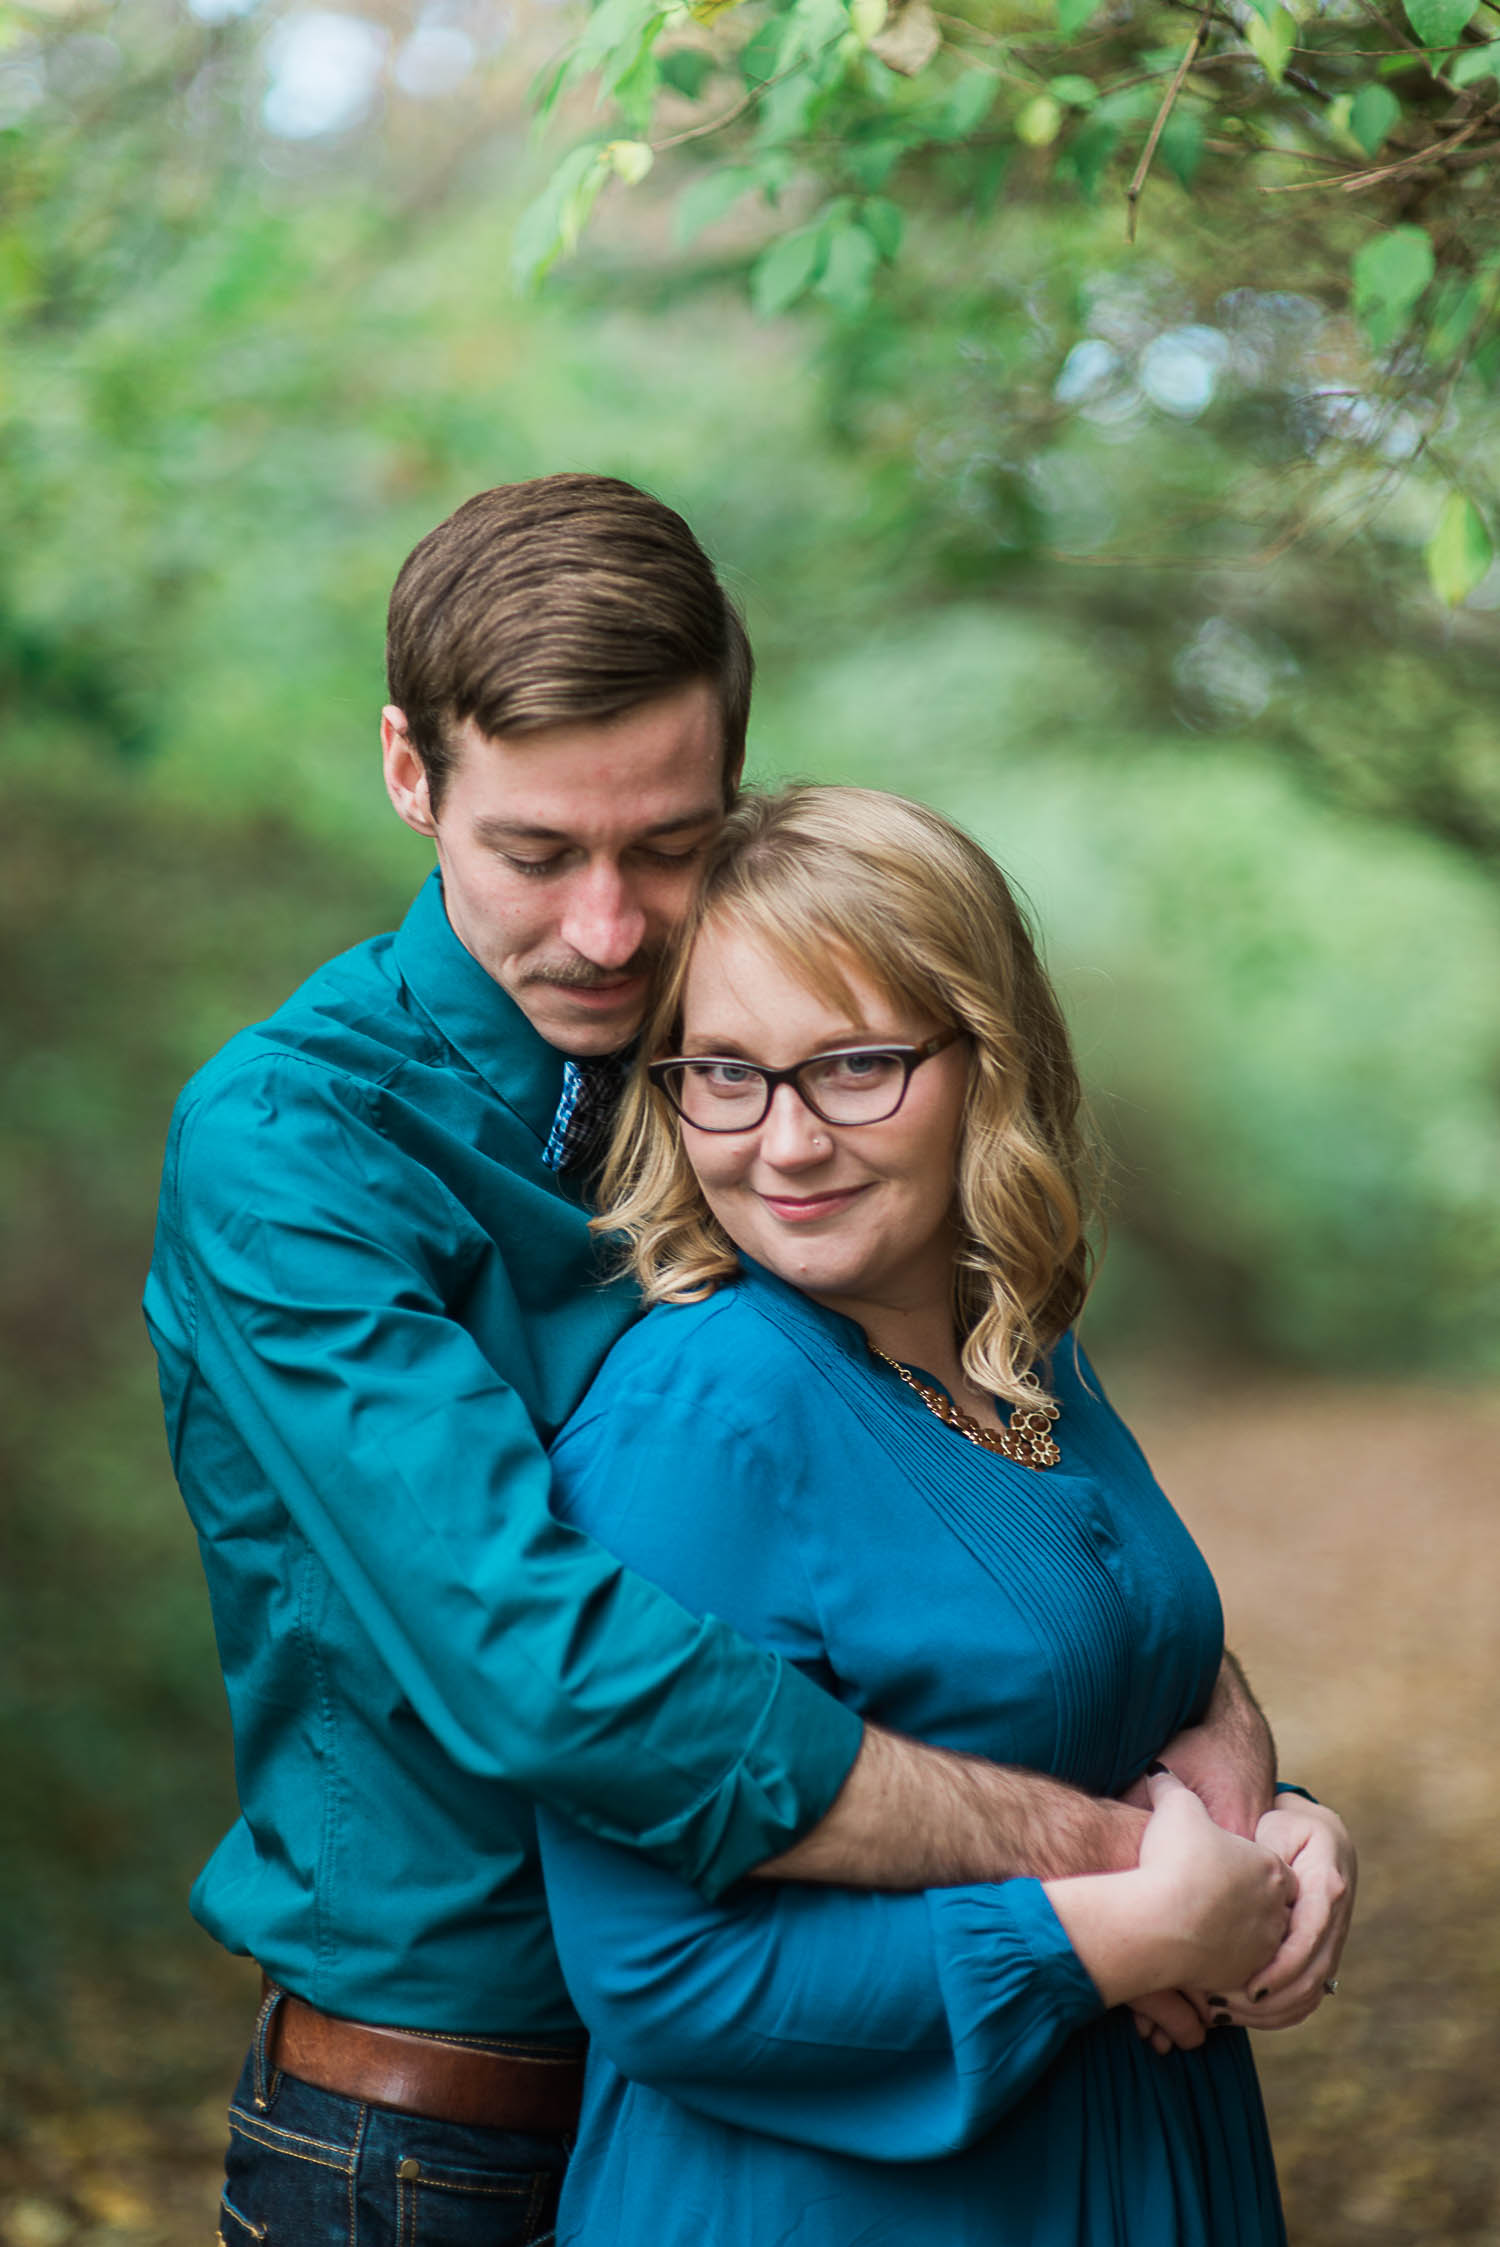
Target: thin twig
1354, 181
747, 101
1190, 55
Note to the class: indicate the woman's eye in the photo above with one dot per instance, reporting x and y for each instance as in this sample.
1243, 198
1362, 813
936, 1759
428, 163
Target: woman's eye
859, 1068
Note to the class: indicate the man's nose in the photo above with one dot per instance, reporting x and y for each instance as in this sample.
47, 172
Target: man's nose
604, 922
792, 1136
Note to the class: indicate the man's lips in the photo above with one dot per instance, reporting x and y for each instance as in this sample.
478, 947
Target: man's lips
802, 1209
603, 994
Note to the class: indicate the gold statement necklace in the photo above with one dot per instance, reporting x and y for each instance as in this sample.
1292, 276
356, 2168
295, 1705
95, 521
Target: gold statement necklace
1028, 1441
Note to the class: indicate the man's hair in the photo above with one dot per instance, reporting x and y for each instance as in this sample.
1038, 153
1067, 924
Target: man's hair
566, 600
829, 878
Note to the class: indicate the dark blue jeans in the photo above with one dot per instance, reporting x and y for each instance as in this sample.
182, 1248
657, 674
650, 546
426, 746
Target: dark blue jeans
307, 2168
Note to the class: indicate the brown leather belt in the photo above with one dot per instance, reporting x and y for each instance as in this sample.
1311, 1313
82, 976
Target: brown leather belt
435, 2076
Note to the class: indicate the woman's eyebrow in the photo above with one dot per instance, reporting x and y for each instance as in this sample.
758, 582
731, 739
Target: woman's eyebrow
732, 1050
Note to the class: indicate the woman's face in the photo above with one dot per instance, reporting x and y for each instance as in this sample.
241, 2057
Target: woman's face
851, 1214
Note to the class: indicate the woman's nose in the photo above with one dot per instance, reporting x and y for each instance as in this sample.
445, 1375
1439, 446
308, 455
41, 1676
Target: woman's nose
791, 1135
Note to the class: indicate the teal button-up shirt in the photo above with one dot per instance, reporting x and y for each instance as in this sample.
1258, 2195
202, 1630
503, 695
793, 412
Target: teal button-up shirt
373, 1305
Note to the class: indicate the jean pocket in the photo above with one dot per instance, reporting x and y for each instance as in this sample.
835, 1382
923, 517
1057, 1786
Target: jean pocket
284, 2187
439, 2204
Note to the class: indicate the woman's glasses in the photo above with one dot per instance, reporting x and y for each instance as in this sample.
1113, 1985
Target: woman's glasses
854, 1084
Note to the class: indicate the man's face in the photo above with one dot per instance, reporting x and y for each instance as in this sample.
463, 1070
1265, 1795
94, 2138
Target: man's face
570, 855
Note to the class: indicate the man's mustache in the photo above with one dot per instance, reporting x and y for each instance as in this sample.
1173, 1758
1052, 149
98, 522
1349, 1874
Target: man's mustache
583, 975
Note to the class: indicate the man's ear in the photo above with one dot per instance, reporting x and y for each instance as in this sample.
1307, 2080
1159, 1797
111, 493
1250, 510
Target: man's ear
405, 774
734, 773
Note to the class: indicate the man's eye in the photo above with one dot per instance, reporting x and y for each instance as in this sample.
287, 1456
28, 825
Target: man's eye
533, 868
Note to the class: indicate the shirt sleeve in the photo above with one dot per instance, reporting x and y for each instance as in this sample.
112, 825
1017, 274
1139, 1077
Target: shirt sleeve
313, 1277
897, 2028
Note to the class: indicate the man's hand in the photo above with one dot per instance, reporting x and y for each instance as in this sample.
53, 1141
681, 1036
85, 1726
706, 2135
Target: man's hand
1315, 1842
1229, 1757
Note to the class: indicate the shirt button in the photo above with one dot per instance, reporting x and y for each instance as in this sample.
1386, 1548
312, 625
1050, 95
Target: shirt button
410, 2167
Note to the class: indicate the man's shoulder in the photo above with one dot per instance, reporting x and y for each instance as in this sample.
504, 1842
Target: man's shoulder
349, 1026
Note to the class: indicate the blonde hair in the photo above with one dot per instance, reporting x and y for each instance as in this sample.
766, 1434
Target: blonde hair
824, 876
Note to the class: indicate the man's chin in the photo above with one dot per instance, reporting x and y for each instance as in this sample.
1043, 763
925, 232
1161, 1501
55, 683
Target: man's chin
583, 1031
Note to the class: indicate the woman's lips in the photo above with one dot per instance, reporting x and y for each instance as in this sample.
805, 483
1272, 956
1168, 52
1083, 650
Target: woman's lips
801, 1209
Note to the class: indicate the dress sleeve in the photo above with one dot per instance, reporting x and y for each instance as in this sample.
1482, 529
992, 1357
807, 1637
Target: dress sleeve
312, 1294
897, 2028
894, 2027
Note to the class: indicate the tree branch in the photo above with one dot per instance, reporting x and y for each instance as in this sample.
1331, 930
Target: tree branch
1190, 55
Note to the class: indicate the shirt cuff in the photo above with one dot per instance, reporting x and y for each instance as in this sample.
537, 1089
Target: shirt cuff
1285, 1786
797, 1759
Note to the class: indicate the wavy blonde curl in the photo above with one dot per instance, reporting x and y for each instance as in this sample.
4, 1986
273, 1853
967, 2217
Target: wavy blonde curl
826, 877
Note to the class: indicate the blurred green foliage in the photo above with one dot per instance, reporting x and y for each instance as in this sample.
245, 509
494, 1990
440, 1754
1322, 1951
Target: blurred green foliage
1011, 535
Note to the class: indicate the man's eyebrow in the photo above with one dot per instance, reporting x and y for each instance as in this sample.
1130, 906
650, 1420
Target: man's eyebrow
496, 830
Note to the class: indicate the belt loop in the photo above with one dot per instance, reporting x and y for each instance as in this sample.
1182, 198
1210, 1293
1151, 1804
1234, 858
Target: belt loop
265, 2073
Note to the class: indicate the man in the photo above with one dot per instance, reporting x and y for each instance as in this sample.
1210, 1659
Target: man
374, 1299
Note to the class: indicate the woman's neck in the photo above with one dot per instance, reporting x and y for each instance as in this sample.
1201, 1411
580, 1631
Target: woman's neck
922, 1335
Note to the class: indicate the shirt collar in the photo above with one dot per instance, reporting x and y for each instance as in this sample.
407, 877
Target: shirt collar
473, 1013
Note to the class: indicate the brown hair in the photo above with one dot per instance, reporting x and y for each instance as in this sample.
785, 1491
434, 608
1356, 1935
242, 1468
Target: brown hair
829, 876
569, 599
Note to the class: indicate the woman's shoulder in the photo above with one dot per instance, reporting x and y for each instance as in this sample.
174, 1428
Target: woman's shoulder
715, 1355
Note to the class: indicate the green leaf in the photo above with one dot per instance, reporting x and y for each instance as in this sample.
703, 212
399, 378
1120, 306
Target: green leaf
786, 271
870, 163
1181, 144
1475, 62
1390, 274
1372, 113
758, 56
549, 228
1040, 122
709, 197
867, 19
1439, 23
849, 269
686, 71
884, 222
1088, 153
1076, 92
969, 102
1457, 309
1460, 551
1072, 15
1273, 37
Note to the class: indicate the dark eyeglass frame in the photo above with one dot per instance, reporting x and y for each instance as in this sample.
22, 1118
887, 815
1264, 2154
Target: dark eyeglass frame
910, 1056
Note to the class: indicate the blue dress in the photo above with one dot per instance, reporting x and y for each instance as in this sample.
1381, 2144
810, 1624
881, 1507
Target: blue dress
803, 2067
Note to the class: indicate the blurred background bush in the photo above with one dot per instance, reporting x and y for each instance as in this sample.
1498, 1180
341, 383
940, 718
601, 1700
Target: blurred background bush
994, 531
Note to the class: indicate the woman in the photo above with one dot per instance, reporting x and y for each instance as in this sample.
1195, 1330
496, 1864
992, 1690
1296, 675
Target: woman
857, 1425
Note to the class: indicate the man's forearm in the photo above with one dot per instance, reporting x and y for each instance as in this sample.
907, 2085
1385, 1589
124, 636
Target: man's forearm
910, 1816
1229, 1758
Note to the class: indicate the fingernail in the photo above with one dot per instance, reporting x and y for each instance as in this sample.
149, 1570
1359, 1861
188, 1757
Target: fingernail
1217, 2000
1155, 1770
1223, 2020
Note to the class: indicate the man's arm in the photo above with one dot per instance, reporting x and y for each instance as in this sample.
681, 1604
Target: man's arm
1229, 1757
910, 1816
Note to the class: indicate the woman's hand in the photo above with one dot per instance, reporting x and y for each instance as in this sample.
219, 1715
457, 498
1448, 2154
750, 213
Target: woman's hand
1229, 1899
1315, 1843
1204, 1909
